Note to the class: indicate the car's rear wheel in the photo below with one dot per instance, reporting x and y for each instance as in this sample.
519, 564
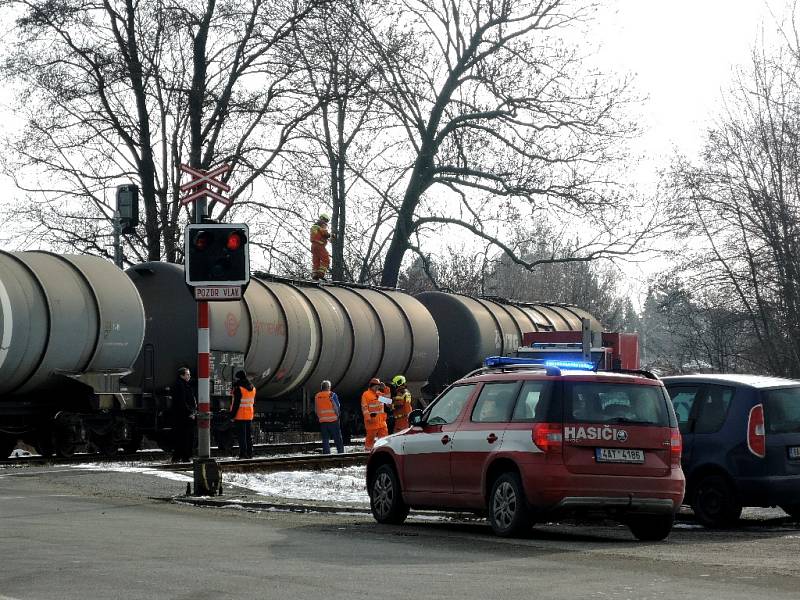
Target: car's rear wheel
714, 502
793, 510
385, 498
508, 510
651, 528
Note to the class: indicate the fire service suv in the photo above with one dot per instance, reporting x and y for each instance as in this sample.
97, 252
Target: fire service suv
523, 442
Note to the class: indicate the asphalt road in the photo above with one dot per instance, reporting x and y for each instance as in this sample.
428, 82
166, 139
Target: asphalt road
67, 533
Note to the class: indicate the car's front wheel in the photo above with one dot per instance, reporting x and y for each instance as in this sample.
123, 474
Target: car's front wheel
651, 528
508, 510
385, 498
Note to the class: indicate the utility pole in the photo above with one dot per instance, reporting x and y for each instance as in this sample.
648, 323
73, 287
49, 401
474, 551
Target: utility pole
117, 223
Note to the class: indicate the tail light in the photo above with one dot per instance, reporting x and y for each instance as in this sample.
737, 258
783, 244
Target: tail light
548, 437
756, 434
675, 448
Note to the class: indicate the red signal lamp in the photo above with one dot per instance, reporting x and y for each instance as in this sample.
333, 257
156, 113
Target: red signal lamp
235, 241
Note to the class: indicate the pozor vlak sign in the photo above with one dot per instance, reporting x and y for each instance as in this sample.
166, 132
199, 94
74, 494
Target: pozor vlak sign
217, 260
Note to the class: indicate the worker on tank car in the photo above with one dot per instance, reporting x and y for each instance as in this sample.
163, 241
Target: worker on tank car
372, 402
243, 410
326, 405
401, 403
184, 411
320, 259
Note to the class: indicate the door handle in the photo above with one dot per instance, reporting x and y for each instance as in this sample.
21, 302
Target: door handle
491, 438
445, 440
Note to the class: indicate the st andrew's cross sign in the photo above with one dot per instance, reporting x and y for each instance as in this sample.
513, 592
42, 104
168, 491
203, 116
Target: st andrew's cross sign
202, 183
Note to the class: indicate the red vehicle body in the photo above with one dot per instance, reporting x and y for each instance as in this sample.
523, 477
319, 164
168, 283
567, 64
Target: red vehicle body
524, 444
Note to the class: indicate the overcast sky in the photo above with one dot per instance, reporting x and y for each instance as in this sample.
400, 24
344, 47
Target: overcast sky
682, 53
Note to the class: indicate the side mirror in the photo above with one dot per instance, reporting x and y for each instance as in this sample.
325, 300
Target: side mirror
415, 418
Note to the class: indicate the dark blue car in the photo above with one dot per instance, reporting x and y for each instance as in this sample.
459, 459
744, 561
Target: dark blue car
741, 443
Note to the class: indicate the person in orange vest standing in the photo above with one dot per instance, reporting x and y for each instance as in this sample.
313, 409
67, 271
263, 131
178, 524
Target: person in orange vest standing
372, 402
243, 410
326, 405
401, 403
320, 259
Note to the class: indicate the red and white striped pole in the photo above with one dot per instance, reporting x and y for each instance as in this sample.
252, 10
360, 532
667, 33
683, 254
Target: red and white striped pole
203, 388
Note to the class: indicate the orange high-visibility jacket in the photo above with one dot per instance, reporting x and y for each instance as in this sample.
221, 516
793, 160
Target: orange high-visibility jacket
401, 404
319, 235
247, 405
323, 405
370, 403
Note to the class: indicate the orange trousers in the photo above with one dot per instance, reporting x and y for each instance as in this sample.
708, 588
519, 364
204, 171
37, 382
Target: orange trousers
375, 434
320, 261
401, 423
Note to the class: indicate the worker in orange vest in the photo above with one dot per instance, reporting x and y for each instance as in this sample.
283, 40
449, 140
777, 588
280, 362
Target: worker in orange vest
401, 403
243, 410
372, 402
320, 259
326, 405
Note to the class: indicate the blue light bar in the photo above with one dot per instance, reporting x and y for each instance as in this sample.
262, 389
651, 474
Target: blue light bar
570, 364
500, 361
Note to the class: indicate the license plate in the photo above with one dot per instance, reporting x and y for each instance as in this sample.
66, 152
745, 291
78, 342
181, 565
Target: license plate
794, 452
619, 455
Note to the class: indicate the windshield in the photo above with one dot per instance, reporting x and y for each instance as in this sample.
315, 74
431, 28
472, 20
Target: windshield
782, 410
613, 403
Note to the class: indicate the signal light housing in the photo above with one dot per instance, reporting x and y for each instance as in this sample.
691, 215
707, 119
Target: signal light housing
217, 254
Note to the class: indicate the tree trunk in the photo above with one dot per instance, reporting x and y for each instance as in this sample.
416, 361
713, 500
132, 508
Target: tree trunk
147, 168
196, 97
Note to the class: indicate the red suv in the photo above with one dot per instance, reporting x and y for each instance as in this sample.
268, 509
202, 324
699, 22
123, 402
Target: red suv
525, 443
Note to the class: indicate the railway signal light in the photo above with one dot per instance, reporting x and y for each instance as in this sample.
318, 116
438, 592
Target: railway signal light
217, 254
128, 207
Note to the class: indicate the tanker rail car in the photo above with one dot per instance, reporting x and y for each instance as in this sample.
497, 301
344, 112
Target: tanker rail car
88, 352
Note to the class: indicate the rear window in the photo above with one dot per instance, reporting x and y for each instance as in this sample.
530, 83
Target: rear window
782, 410
588, 402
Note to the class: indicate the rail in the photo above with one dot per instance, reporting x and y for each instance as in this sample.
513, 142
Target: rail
153, 455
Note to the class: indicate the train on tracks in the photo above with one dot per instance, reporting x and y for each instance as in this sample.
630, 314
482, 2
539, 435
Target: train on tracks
88, 352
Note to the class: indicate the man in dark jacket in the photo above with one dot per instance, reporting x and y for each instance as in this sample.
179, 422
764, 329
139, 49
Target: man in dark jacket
243, 411
184, 410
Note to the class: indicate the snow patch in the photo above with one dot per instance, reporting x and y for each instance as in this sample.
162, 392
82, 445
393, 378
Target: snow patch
345, 484
128, 468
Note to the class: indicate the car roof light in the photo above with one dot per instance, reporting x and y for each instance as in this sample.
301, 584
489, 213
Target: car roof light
571, 364
502, 361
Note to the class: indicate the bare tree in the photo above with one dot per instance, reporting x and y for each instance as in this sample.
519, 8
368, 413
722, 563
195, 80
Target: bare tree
124, 90
740, 207
344, 130
493, 104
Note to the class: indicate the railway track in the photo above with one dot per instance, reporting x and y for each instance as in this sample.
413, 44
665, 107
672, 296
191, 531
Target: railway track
157, 455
